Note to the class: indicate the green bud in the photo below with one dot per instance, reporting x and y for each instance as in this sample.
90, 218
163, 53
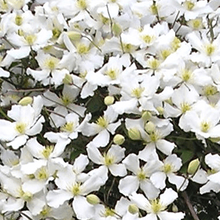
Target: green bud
109, 100
215, 140
133, 209
74, 35
26, 101
116, 28
134, 134
193, 166
92, 199
68, 80
118, 139
146, 115
174, 208
160, 110
149, 127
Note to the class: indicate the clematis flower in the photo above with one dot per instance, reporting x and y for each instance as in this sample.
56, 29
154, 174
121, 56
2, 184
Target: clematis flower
167, 170
157, 208
110, 160
140, 177
27, 121
103, 126
69, 187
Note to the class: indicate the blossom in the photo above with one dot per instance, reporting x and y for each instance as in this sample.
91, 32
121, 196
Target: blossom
109, 160
167, 170
27, 121
140, 177
157, 207
103, 126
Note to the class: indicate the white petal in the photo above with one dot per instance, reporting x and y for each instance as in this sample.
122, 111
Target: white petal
128, 185
95, 155
118, 169
4, 73
56, 198
158, 179
170, 215
82, 208
165, 146
168, 196
132, 163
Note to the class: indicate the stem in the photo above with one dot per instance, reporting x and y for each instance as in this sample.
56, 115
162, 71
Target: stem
189, 205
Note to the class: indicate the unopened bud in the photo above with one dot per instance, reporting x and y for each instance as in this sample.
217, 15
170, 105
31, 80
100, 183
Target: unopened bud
116, 29
133, 209
68, 80
146, 115
109, 100
149, 127
160, 110
26, 101
215, 140
92, 199
174, 208
74, 35
193, 166
118, 139
134, 134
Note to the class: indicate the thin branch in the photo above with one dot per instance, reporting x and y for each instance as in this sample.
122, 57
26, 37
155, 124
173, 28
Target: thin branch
189, 205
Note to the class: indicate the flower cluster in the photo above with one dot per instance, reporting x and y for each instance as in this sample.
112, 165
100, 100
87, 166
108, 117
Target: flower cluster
109, 109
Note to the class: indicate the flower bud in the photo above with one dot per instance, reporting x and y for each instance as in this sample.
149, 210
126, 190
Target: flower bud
133, 209
116, 28
160, 110
193, 166
74, 35
215, 140
146, 115
174, 208
134, 134
92, 199
118, 139
26, 101
109, 100
149, 127
68, 80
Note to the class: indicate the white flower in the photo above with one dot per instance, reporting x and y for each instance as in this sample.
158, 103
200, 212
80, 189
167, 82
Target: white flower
157, 207
109, 160
27, 122
140, 177
167, 170
103, 126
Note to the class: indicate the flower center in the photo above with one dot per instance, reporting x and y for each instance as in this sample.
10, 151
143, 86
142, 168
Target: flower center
20, 127
210, 49
18, 20
108, 159
156, 206
141, 175
205, 126
68, 127
112, 73
82, 49
42, 174
51, 63
185, 107
47, 151
82, 4
76, 189
167, 168
102, 122
186, 75
137, 92
189, 5
210, 90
